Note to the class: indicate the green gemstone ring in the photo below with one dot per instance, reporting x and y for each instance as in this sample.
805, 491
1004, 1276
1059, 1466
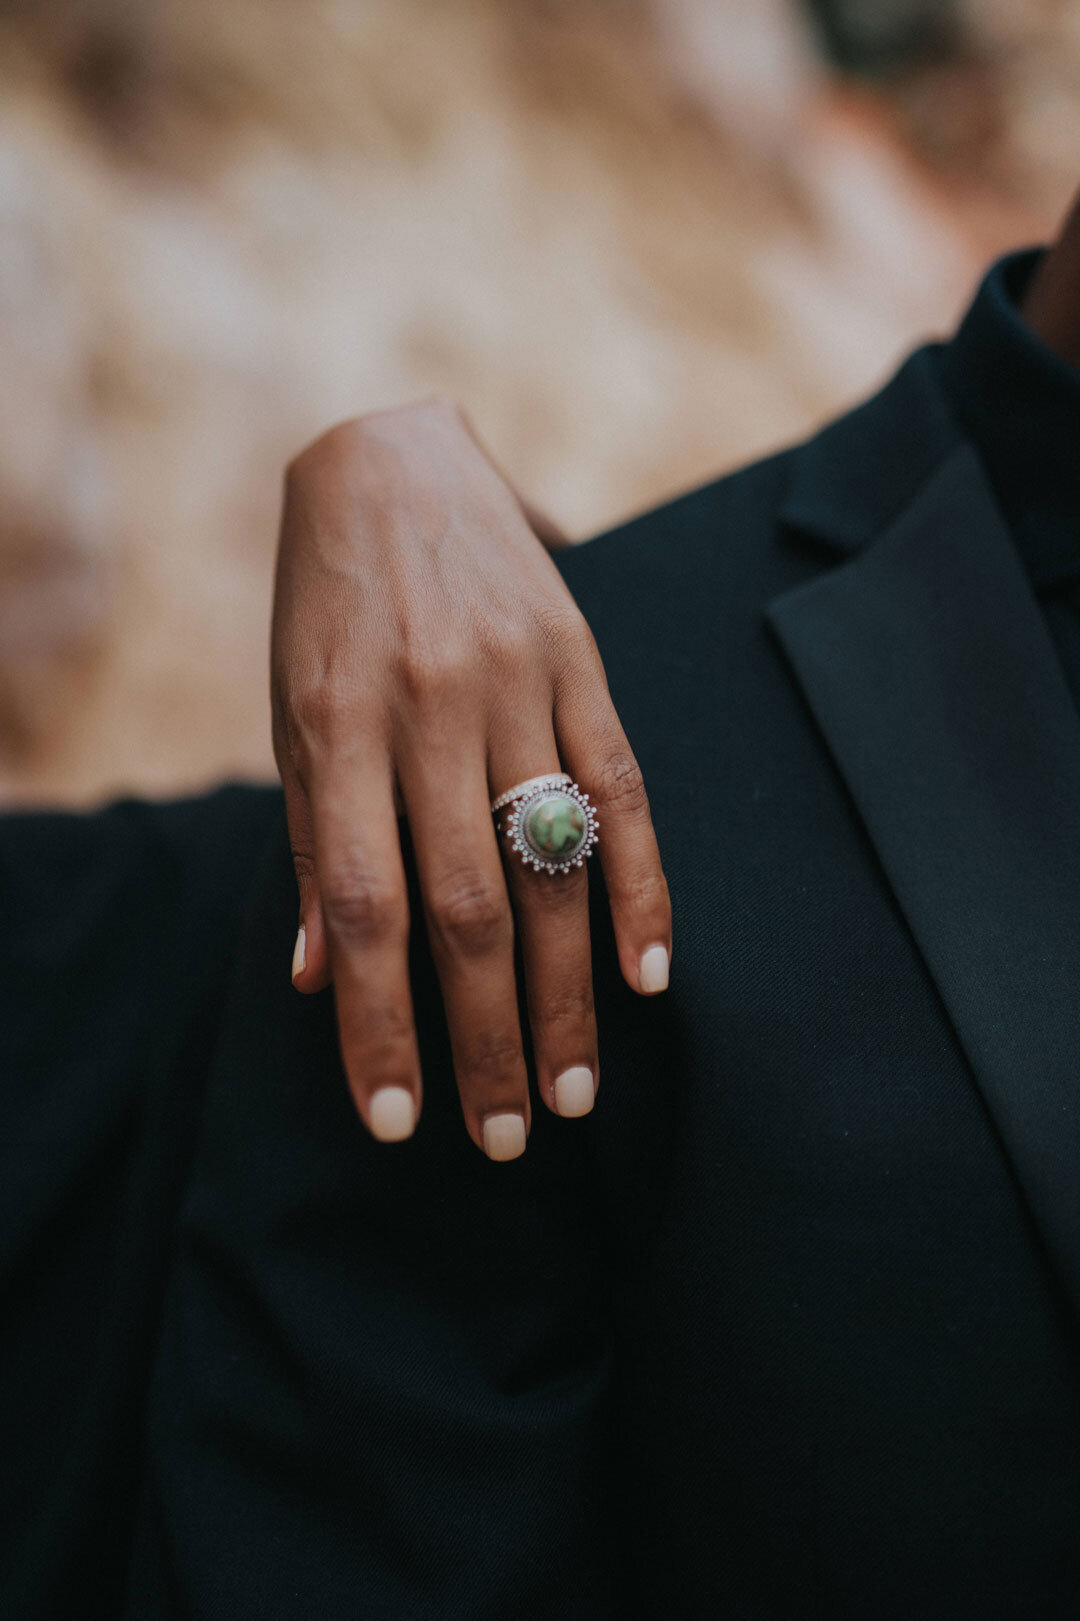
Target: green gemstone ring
549, 823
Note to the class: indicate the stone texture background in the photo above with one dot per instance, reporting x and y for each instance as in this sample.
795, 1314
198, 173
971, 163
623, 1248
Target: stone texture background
642, 240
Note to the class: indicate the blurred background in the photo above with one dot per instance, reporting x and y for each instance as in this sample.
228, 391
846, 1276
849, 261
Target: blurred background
641, 240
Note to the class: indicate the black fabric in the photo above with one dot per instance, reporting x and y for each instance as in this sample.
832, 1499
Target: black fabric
1019, 403
380, 1379
787, 1328
967, 802
119, 930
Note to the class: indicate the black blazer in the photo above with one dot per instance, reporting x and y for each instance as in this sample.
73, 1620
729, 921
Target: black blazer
787, 1328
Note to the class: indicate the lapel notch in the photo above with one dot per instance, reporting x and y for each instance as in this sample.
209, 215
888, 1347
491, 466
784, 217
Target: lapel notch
931, 674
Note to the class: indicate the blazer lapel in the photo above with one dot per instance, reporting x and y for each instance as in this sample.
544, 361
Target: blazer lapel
930, 671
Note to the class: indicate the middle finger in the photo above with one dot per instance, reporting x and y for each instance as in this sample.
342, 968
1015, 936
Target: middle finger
552, 912
444, 786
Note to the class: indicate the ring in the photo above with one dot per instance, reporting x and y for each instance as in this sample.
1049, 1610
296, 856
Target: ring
549, 822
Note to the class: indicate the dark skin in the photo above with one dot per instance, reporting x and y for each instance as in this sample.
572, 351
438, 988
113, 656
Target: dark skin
426, 655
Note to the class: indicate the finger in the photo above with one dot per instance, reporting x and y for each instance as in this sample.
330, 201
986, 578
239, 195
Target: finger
552, 913
595, 750
310, 960
472, 933
365, 910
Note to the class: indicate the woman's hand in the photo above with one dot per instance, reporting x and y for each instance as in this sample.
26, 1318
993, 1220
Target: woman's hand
426, 657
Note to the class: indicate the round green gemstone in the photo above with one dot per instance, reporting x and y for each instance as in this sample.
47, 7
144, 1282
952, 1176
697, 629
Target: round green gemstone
556, 826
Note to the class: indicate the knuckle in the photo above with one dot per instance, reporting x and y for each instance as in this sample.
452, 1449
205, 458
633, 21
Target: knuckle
317, 711
377, 1039
619, 783
580, 641
379, 1046
565, 630
470, 916
303, 866
559, 616
361, 909
569, 1004
326, 723
493, 1054
644, 891
511, 647
431, 673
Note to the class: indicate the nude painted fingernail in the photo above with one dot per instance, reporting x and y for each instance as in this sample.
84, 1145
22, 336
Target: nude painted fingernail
574, 1092
653, 970
392, 1114
299, 956
504, 1136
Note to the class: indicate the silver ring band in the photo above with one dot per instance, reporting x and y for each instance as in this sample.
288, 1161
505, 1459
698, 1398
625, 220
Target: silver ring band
548, 822
555, 779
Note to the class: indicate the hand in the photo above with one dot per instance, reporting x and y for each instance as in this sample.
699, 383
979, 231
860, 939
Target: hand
426, 657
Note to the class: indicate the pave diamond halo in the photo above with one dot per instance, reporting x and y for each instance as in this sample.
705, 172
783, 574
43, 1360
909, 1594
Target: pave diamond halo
549, 823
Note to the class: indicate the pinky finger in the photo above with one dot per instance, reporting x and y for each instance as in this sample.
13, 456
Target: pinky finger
594, 748
310, 969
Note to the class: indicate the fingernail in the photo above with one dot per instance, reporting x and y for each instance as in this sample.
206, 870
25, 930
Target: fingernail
653, 970
392, 1114
504, 1136
574, 1091
299, 956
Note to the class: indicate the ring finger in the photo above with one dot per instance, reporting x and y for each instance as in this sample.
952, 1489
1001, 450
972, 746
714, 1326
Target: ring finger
471, 929
552, 913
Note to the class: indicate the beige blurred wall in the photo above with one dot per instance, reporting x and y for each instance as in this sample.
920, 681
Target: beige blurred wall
641, 241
